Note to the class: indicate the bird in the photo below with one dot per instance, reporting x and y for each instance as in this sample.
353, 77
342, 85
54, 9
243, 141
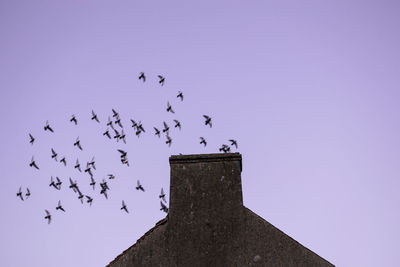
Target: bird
115, 114
125, 161
73, 185
225, 148
59, 207
139, 186
58, 184
63, 160
208, 120
180, 95
28, 193
233, 143
177, 124
94, 117
110, 123
104, 192
203, 141
80, 195
78, 165
48, 216
162, 80
104, 185
169, 108
73, 119
88, 170
48, 128
166, 127
117, 135
124, 207
92, 182
107, 133
122, 136
157, 132
142, 77
118, 121
111, 176
52, 183
89, 200
123, 153
169, 140
32, 139
140, 127
162, 195
33, 163
163, 207
92, 162
78, 143
53, 154
19, 194
134, 124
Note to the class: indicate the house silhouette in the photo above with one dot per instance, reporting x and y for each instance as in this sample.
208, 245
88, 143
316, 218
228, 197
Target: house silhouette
207, 224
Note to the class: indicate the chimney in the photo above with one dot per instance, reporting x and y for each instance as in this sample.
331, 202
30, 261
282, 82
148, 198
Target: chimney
205, 204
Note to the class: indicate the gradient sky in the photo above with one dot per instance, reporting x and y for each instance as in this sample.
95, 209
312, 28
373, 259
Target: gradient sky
310, 89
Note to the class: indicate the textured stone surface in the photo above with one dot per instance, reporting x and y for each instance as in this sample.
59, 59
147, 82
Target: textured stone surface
208, 225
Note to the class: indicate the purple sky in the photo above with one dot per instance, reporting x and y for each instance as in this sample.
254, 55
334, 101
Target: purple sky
310, 89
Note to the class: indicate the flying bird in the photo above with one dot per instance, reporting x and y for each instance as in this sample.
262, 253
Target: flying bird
163, 207
93, 182
63, 160
134, 124
107, 133
125, 161
162, 195
115, 114
73, 185
118, 121
59, 207
28, 193
33, 163
142, 77
94, 117
48, 128
169, 140
180, 95
157, 132
19, 194
48, 216
233, 143
166, 127
225, 148
203, 141
111, 176
169, 108
78, 165
124, 207
92, 162
58, 184
110, 123
208, 120
139, 186
177, 124
73, 119
52, 183
78, 143
88, 170
123, 153
89, 200
122, 136
80, 195
117, 135
32, 139
53, 154
104, 192
162, 80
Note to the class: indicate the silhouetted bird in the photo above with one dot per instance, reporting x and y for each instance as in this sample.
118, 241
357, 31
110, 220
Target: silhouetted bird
59, 183
162, 195
162, 80
78, 143
73, 185
48, 216
63, 160
166, 127
107, 133
117, 135
52, 183
48, 128
225, 148
59, 207
89, 200
208, 120
92, 162
118, 121
33, 163
157, 132
180, 95
163, 207
104, 192
169, 140
93, 182
169, 108
53, 154
122, 136
124, 207
88, 170
134, 124
110, 123
123, 153
139, 186
32, 139
177, 124
139, 127
19, 194
125, 161
73, 119
115, 114
94, 117
111, 176
104, 185
80, 195
233, 143
78, 165
28, 193
203, 141
142, 77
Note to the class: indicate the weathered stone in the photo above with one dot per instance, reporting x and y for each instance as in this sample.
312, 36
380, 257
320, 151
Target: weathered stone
208, 225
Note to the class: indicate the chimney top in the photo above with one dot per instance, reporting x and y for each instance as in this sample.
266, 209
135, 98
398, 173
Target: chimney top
195, 158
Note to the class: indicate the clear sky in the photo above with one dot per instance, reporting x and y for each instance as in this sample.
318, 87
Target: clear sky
310, 89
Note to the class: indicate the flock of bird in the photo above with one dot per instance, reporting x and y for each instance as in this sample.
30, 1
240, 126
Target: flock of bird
114, 130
